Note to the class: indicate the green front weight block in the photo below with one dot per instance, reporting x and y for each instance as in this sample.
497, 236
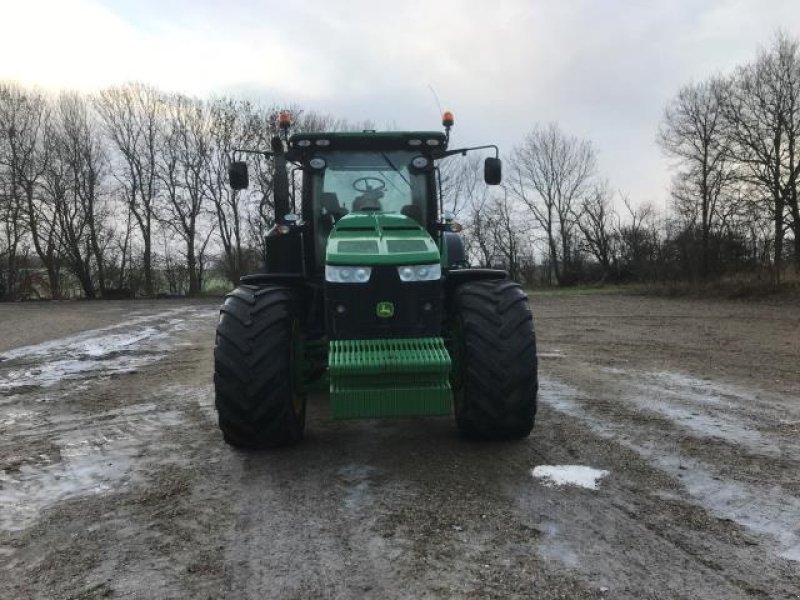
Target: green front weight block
389, 378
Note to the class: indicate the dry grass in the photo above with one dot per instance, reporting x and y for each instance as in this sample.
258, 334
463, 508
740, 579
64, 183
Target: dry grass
733, 287
744, 287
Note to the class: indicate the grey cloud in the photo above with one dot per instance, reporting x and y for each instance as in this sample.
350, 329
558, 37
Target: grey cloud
604, 70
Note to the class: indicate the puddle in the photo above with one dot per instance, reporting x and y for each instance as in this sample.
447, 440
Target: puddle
707, 408
85, 338
724, 427
203, 395
554, 548
121, 348
767, 510
97, 455
571, 475
356, 480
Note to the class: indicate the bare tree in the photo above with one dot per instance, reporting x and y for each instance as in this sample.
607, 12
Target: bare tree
466, 196
234, 124
23, 116
639, 240
762, 115
461, 183
596, 220
551, 173
187, 148
13, 231
11, 207
131, 115
694, 132
78, 159
119, 258
506, 228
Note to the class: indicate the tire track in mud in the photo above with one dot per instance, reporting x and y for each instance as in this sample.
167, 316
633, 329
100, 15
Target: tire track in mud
723, 462
448, 519
408, 510
710, 470
104, 352
42, 388
98, 490
389, 509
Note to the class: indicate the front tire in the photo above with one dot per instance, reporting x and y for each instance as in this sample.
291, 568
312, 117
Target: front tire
495, 378
256, 395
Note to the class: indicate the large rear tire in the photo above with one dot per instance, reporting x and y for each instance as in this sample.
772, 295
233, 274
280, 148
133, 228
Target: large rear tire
494, 378
256, 394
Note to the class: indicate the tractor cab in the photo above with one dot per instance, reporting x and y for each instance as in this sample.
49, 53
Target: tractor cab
369, 173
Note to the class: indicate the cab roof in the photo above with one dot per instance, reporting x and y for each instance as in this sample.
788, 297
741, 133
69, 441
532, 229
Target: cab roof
369, 140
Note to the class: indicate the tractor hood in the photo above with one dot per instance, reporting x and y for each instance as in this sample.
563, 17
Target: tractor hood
380, 239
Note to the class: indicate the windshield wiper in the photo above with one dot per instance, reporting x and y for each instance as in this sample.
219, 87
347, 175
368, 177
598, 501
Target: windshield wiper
396, 170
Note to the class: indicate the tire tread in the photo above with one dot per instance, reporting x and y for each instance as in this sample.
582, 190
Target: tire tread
496, 398
252, 370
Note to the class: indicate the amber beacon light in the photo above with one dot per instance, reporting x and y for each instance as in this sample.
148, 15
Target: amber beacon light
285, 119
447, 119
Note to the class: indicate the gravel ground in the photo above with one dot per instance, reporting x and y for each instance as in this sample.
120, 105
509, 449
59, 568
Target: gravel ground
664, 464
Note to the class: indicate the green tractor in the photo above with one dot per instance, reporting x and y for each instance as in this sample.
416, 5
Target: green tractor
367, 293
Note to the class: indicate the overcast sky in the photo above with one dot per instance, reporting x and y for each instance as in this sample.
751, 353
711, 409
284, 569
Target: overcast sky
603, 69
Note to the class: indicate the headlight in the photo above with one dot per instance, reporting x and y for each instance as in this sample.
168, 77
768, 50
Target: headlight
420, 272
347, 274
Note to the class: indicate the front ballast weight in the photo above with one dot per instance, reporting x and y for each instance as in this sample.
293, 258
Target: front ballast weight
389, 378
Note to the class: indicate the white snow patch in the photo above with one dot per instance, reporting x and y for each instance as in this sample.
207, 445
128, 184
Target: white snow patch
578, 475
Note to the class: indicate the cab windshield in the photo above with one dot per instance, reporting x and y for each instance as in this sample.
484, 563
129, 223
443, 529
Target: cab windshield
372, 182
382, 182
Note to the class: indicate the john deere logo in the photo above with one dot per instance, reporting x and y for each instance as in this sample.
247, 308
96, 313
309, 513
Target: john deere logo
384, 310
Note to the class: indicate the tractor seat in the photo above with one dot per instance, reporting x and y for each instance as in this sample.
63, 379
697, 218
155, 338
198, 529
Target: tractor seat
330, 202
370, 200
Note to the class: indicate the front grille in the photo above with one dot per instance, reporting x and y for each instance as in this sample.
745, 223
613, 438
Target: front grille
351, 308
406, 245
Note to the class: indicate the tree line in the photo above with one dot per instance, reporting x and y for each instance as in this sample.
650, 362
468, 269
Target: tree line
124, 192
734, 140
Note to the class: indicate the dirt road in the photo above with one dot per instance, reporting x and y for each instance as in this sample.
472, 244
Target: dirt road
114, 481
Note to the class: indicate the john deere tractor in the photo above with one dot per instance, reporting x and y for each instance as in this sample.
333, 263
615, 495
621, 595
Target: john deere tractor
367, 293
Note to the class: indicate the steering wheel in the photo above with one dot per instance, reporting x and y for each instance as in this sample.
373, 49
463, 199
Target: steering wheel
366, 187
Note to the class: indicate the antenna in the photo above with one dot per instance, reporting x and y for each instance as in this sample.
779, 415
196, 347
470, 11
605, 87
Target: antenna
436, 97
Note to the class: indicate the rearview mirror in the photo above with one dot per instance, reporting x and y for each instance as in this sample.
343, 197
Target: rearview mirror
237, 174
492, 171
